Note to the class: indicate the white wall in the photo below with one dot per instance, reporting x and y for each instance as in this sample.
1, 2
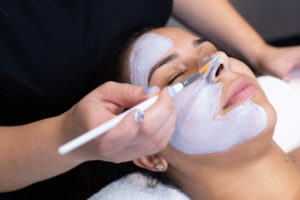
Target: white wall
271, 18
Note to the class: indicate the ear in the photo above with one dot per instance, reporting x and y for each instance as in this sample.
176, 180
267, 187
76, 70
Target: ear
153, 163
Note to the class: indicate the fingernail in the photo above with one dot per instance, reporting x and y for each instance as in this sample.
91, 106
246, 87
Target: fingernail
159, 167
149, 90
172, 92
138, 116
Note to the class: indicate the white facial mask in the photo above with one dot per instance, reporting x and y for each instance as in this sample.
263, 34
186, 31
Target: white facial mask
146, 52
199, 128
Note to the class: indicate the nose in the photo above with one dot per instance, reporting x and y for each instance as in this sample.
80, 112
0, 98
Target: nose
222, 66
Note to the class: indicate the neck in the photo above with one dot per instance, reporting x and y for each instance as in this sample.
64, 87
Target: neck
272, 176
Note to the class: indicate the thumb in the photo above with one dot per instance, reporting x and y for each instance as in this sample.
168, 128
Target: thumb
122, 94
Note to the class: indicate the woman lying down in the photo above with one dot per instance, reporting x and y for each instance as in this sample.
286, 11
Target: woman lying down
222, 147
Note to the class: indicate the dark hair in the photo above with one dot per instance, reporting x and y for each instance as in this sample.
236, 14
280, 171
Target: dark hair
110, 66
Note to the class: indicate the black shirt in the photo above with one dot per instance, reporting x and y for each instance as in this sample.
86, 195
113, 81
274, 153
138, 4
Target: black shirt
48, 51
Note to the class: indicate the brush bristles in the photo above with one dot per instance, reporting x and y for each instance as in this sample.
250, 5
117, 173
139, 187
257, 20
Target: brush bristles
204, 68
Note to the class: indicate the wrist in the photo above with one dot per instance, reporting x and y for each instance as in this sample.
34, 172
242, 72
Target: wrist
71, 127
66, 132
259, 55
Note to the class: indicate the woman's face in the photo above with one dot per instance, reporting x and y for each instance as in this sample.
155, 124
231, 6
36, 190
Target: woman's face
174, 56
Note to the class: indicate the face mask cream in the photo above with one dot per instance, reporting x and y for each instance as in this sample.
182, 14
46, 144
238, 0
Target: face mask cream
146, 52
199, 127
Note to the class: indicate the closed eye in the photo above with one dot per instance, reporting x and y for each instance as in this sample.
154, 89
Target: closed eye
174, 78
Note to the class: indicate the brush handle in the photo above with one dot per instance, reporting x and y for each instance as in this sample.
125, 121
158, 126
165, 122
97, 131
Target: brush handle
99, 130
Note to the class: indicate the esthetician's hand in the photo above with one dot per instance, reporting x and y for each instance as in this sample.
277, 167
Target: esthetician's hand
137, 135
279, 61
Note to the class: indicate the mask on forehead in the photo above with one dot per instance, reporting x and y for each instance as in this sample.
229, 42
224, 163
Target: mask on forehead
146, 52
199, 127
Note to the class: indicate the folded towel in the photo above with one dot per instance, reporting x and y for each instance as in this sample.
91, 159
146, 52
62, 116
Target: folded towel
137, 186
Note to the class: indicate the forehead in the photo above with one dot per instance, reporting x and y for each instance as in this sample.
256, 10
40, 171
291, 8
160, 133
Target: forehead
175, 34
146, 52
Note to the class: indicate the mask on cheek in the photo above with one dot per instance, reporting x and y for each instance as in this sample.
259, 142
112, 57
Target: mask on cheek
199, 128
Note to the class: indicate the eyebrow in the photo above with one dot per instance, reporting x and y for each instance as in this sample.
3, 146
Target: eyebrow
164, 61
199, 41
172, 57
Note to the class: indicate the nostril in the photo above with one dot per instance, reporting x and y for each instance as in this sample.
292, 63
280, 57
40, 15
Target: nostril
220, 68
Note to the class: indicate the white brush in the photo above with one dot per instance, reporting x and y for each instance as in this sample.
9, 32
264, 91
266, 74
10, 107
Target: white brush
103, 128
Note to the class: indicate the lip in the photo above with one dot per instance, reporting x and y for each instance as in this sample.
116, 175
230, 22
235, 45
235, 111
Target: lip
240, 90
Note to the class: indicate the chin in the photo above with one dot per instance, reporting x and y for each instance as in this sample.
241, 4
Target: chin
255, 147
249, 150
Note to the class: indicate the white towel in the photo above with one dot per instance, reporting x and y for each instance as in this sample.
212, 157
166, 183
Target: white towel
137, 186
285, 98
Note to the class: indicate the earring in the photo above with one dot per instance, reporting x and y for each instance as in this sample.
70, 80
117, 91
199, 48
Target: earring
159, 167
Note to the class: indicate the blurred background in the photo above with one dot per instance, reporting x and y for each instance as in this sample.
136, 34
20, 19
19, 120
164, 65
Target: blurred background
277, 21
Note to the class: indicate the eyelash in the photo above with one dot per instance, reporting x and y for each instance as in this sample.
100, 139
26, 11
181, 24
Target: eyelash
174, 78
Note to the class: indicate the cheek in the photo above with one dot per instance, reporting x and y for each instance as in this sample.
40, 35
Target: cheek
199, 128
156, 81
160, 77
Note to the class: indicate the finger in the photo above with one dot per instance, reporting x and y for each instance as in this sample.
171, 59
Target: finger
125, 95
153, 122
157, 114
157, 142
163, 137
167, 132
160, 115
122, 135
151, 91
